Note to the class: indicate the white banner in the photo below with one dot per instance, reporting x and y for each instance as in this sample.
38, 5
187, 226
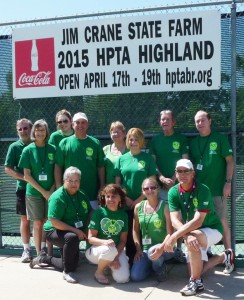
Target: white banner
156, 53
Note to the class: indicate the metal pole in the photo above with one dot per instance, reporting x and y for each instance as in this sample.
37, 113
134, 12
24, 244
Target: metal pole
233, 120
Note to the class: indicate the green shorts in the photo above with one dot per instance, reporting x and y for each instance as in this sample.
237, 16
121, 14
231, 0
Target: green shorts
36, 208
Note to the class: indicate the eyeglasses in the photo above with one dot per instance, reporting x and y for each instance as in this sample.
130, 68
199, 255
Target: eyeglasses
73, 181
63, 121
22, 129
153, 188
183, 171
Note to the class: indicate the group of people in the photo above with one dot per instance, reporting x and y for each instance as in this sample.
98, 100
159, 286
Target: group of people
132, 208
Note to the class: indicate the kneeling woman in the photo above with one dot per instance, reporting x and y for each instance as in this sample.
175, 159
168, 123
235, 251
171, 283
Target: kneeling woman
151, 226
68, 216
108, 234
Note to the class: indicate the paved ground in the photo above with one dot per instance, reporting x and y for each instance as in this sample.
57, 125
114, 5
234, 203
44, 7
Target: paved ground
18, 281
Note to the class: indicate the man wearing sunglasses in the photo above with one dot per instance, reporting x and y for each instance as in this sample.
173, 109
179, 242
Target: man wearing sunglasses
23, 127
194, 218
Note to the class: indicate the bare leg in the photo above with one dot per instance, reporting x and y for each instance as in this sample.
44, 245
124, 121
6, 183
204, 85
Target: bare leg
213, 261
226, 236
25, 229
37, 234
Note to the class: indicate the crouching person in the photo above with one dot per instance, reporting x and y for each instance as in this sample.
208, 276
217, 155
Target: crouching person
108, 234
68, 216
193, 216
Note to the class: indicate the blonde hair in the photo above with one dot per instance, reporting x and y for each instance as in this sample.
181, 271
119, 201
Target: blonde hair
117, 124
136, 133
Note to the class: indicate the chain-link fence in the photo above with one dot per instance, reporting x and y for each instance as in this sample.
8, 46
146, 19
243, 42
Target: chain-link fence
135, 110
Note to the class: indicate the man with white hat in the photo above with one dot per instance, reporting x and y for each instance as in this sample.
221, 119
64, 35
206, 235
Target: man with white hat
193, 216
84, 152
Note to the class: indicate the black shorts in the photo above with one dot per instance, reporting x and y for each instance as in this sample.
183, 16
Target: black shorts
20, 202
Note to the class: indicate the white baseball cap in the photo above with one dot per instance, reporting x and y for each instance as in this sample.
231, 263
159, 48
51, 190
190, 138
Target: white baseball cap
80, 115
185, 163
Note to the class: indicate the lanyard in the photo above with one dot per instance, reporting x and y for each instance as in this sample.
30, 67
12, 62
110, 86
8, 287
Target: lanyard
204, 148
187, 204
41, 156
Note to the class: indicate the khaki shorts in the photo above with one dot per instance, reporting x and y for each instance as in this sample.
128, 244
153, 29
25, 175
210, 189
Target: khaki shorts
220, 204
36, 208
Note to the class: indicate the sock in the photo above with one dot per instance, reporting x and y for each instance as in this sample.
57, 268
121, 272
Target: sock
26, 246
43, 245
225, 258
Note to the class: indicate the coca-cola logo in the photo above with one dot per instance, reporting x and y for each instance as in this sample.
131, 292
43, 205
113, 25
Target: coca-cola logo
35, 63
42, 78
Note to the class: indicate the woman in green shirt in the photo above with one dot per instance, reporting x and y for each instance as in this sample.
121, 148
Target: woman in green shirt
107, 234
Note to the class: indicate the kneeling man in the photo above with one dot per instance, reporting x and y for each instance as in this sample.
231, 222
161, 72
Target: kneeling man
193, 216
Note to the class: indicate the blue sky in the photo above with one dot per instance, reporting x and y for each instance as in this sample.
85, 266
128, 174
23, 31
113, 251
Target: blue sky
16, 10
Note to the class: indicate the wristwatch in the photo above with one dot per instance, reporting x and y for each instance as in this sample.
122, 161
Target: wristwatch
228, 180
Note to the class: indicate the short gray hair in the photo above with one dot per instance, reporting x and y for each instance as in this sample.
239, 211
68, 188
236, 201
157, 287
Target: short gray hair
70, 171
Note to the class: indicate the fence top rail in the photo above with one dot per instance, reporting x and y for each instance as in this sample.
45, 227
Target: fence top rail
116, 12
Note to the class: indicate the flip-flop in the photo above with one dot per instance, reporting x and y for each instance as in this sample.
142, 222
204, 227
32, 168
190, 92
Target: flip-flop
102, 280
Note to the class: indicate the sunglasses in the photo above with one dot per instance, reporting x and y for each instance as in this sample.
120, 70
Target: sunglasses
63, 121
22, 129
183, 171
153, 188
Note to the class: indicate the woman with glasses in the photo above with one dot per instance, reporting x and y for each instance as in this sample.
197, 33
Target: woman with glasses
130, 171
64, 127
107, 234
151, 228
37, 160
115, 150
68, 216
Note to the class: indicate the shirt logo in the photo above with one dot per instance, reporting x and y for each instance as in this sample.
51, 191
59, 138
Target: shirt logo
141, 164
195, 202
50, 156
176, 145
213, 146
111, 227
84, 204
157, 223
89, 151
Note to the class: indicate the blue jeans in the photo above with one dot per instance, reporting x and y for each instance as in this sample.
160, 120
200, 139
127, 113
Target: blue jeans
142, 268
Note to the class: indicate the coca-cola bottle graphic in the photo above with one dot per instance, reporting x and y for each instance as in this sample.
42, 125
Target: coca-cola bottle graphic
34, 57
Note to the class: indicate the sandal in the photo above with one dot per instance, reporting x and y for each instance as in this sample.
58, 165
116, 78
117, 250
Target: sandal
101, 280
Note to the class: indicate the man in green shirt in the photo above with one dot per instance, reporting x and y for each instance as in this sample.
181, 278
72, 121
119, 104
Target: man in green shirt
23, 127
84, 152
212, 157
167, 148
194, 218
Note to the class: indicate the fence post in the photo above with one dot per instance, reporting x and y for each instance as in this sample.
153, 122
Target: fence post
233, 120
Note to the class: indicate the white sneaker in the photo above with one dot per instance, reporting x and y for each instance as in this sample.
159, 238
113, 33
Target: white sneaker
26, 256
69, 277
229, 263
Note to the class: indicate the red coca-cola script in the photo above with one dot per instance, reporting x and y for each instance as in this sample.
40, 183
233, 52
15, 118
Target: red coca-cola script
35, 63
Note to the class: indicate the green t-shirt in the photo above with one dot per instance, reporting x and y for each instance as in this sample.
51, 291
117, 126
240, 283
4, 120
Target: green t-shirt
12, 160
109, 224
133, 169
110, 161
56, 137
40, 161
168, 150
86, 155
152, 225
68, 209
210, 152
188, 203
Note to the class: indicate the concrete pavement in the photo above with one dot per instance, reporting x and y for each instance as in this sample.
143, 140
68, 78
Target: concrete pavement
18, 281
